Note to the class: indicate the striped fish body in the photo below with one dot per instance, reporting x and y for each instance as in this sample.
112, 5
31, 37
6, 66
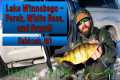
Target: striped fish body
78, 55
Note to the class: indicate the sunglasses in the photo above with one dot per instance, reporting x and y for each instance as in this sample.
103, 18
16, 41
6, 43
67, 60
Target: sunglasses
83, 20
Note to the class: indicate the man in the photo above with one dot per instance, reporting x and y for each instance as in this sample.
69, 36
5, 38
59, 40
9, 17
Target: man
83, 31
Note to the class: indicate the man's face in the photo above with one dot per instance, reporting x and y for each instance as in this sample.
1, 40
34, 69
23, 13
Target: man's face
84, 25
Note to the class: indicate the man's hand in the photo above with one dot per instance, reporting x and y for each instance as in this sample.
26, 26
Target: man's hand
97, 54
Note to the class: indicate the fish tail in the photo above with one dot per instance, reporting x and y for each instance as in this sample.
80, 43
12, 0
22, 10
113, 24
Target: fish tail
59, 59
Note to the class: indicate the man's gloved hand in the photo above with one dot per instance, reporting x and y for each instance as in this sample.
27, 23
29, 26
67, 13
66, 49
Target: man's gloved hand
97, 54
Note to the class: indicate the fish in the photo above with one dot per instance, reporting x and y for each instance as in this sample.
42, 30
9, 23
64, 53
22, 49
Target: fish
79, 54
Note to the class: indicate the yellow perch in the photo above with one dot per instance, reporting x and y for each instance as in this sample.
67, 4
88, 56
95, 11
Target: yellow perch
78, 55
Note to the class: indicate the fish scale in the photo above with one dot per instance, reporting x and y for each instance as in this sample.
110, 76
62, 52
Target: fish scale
79, 54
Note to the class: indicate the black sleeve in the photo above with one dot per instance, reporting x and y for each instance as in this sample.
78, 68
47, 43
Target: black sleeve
108, 47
